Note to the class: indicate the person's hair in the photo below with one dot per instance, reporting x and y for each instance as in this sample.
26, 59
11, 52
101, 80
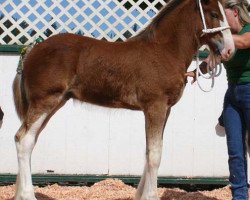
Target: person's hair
243, 8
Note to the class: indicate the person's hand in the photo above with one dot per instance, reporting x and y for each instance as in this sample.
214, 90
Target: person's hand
193, 75
225, 56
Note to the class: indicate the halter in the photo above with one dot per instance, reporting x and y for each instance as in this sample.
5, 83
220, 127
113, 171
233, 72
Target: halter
212, 30
214, 72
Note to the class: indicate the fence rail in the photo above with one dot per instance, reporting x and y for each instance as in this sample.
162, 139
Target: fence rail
21, 22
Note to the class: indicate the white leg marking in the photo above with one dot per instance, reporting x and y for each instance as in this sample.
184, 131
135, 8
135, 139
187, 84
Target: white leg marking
24, 187
152, 165
147, 189
139, 190
229, 47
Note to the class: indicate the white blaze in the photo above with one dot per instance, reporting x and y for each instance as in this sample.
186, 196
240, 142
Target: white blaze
229, 47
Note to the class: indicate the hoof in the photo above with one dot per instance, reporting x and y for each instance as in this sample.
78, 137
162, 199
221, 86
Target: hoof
149, 197
137, 197
25, 196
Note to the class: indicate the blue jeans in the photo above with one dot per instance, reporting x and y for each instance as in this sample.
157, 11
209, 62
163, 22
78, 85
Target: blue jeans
236, 119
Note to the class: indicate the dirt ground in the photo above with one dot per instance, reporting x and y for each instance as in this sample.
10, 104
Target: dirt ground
113, 189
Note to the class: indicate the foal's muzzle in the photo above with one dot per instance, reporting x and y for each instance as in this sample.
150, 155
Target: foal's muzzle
219, 45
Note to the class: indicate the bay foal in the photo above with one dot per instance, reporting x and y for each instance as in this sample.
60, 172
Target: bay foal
145, 73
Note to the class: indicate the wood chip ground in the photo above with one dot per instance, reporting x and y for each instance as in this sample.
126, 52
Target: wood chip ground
113, 189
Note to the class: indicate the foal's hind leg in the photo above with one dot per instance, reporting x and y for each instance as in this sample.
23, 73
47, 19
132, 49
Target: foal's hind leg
155, 117
25, 139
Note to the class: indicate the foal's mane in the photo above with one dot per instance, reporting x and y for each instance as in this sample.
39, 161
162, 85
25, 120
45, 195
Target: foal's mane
148, 32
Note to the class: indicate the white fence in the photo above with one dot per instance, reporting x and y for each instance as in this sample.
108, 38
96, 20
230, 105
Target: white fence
21, 22
85, 139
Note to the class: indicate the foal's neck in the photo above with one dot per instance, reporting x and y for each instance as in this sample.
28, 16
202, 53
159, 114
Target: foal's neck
178, 30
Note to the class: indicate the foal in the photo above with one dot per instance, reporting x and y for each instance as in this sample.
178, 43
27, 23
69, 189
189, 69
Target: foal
145, 73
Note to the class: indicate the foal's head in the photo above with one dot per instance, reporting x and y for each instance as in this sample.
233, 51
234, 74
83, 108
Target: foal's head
219, 40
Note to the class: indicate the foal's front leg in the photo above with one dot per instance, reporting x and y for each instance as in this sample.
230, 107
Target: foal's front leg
155, 118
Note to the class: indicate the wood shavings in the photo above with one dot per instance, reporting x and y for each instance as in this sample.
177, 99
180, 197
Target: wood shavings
113, 189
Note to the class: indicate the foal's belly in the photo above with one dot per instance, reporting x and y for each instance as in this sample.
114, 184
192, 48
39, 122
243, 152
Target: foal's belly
107, 96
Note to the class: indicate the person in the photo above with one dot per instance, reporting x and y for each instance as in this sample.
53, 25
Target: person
236, 107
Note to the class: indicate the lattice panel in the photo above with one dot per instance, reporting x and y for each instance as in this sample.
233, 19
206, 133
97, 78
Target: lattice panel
21, 22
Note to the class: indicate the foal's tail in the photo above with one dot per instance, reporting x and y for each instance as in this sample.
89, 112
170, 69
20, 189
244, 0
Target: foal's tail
1, 117
20, 99
19, 92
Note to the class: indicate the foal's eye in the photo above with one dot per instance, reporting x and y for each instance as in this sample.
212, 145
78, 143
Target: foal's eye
214, 15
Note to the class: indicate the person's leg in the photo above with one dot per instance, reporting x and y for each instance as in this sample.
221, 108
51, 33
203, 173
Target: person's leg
235, 131
244, 101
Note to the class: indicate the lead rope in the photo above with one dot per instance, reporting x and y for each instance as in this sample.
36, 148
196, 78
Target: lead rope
214, 72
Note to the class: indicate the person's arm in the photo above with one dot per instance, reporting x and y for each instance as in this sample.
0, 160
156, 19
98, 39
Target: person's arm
242, 41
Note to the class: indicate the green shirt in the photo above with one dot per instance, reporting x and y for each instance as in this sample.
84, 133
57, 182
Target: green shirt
238, 67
